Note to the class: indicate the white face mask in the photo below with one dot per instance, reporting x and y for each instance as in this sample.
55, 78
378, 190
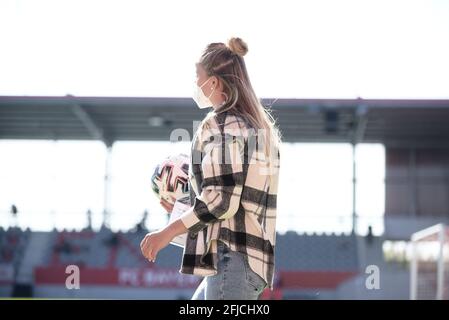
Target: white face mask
200, 98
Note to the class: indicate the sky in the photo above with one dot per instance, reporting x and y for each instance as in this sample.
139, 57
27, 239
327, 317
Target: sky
297, 49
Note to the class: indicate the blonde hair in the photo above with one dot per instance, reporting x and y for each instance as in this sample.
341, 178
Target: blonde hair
227, 64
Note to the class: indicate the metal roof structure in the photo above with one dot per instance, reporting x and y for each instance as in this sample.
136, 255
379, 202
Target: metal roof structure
396, 123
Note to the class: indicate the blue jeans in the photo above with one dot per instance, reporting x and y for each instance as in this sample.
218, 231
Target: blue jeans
235, 280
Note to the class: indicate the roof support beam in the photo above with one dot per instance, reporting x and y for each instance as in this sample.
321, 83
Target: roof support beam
361, 120
92, 127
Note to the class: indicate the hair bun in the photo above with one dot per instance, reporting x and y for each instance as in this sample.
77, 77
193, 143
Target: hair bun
238, 46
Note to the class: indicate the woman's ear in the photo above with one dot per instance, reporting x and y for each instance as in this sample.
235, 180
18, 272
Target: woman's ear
217, 83
214, 82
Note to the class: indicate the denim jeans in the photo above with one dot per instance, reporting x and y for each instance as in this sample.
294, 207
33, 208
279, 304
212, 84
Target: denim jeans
235, 280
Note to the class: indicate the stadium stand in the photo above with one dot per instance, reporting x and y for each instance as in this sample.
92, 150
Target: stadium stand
319, 262
12, 244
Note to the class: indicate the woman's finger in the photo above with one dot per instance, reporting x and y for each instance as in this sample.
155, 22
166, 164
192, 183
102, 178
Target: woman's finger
144, 240
150, 248
150, 255
142, 243
141, 247
145, 246
167, 206
154, 253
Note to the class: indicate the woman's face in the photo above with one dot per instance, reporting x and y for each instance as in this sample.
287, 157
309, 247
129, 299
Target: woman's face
213, 88
202, 77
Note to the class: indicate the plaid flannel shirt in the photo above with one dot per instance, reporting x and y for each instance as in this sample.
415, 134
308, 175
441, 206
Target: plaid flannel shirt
231, 198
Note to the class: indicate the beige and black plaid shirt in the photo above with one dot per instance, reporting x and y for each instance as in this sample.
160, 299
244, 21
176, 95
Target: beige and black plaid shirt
232, 197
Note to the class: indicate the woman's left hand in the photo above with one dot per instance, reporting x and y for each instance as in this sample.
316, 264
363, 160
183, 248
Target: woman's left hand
154, 242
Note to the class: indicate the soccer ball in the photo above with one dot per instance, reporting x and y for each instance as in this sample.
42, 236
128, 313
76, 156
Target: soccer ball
170, 180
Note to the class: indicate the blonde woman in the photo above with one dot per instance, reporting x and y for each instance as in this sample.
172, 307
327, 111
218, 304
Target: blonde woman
234, 171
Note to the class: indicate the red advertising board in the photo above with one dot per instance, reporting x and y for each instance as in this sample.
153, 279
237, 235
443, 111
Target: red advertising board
130, 277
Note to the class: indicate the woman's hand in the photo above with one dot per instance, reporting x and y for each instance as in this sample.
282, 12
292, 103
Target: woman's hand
167, 206
154, 242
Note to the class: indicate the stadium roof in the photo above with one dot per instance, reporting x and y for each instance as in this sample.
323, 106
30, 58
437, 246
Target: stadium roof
396, 123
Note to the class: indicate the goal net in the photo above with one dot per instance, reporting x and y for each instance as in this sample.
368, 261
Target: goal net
429, 269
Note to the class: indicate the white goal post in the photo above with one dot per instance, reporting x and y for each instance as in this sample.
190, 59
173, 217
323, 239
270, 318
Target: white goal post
429, 267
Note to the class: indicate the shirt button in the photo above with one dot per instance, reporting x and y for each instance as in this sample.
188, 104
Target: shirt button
192, 236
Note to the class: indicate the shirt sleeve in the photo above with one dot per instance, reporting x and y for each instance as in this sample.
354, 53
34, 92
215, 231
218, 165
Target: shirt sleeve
222, 184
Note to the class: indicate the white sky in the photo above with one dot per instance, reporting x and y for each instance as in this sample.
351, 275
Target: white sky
320, 49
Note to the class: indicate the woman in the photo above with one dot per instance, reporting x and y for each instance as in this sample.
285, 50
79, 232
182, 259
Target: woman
234, 170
